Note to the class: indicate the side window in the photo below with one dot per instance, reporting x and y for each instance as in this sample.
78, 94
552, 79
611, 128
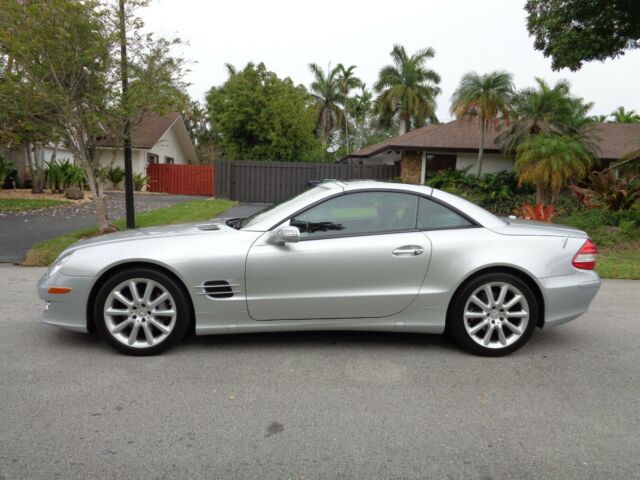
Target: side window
359, 214
432, 216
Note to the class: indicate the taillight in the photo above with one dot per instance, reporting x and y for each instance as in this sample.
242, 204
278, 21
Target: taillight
586, 256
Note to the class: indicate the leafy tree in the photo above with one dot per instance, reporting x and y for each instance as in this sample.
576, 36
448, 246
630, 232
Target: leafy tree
347, 81
258, 116
484, 97
204, 138
407, 89
620, 115
575, 31
545, 109
326, 92
548, 161
64, 75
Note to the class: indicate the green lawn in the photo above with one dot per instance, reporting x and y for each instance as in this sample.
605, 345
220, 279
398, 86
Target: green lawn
619, 263
19, 204
45, 252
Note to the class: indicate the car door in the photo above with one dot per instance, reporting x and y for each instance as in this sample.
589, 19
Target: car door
359, 255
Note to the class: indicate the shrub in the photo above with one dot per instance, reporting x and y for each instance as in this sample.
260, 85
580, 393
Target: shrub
115, 176
139, 181
609, 191
6, 168
606, 227
538, 212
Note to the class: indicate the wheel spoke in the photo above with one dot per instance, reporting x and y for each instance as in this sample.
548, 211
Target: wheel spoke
133, 336
475, 314
512, 302
488, 335
520, 314
163, 313
122, 299
148, 334
116, 311
122, 325
159, 325
501, 337
476, 328
162, 297
148, 291
502, 295
134, 291
489, 293
513, 328
480, 303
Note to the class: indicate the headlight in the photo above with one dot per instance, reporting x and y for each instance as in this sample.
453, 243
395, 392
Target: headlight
60, 261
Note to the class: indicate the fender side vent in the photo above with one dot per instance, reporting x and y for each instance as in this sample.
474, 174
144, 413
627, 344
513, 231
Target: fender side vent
217, 289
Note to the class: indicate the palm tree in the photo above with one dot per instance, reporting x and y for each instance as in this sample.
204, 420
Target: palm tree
485, 97
599, 118
407, 88
360, 108
347, 81
545, 109
620, 115
548, 161
327, 97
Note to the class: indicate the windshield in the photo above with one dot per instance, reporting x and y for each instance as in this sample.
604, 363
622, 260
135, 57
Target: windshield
275, 209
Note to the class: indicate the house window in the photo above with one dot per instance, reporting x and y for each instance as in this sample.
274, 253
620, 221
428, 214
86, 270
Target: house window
152, 158
169, 160
438, 162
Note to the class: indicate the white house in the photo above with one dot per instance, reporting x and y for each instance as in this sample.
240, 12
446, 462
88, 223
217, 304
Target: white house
454, 145
156, 139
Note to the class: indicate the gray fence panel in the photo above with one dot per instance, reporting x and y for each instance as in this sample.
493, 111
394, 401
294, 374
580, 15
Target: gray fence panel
270, 182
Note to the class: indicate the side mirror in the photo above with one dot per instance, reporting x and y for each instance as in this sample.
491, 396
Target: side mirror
287, 234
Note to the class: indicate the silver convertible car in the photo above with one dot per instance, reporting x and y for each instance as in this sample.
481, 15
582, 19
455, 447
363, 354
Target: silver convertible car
341, 256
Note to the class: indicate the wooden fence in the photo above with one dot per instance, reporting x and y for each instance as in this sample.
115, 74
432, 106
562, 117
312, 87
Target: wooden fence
270, 182
181, 179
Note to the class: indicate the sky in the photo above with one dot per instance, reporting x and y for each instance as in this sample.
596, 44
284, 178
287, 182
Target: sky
467, 35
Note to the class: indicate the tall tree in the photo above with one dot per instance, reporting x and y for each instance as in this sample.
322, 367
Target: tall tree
67, 56
407, 89
347, 81
621, 115
548, 161
545, 109
327, 97
486, 98
575, 31
258, 116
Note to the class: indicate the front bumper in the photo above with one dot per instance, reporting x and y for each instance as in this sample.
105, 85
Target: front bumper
569, 296
69, 310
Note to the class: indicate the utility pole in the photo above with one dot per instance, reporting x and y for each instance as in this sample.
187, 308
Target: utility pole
128, 170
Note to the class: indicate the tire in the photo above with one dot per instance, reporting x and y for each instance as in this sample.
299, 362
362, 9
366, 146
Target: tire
147, 323
496, 326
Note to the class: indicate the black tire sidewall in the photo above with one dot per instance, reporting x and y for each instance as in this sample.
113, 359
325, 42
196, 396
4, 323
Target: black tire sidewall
183, 318
455, 321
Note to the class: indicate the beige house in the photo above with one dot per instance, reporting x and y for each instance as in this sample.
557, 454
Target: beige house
156, 139
454, 145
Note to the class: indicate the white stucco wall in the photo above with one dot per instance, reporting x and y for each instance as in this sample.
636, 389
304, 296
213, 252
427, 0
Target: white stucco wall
106, 156
169, 146
491, 162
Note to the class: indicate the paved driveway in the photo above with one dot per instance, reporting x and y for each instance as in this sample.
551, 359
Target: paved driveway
19, 231
320, 405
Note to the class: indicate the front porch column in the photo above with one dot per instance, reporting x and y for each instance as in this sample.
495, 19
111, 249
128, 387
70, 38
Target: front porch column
411, 165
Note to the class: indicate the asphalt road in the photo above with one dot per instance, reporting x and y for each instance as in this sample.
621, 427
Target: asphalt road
19, 231
320, 405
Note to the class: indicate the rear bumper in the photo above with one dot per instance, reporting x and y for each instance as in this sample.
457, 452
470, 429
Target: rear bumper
69, 310
569, 296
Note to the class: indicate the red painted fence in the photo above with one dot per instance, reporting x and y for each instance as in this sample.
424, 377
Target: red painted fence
180, 179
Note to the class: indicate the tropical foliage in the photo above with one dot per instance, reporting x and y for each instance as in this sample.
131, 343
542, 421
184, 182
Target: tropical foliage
62, 174
608, 190
621, 115
486, 98
548, 161
115, 175
326, 92
407, 89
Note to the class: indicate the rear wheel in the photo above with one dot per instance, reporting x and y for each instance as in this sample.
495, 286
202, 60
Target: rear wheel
141, 311
493, 315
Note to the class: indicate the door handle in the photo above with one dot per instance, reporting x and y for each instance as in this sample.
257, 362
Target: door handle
408, 251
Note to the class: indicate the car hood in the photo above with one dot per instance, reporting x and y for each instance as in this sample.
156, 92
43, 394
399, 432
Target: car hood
179, 230
533, 228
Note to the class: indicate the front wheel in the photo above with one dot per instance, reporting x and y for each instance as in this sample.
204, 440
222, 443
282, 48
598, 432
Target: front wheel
493, 314
141, 311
